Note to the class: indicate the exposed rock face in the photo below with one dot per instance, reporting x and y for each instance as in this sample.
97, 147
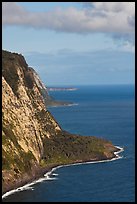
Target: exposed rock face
25, 118
31, 138
47, 98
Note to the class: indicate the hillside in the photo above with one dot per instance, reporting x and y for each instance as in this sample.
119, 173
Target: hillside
32, 140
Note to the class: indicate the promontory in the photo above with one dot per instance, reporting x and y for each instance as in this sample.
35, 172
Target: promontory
32, 140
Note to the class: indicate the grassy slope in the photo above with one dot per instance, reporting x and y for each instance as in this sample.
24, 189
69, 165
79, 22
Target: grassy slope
61, 148
67, 148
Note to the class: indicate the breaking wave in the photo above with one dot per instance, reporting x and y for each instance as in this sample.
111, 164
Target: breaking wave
53, 176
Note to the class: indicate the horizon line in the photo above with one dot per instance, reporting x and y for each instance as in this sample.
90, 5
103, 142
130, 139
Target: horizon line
73, 85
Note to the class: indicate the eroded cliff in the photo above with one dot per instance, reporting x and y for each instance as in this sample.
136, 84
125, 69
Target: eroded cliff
25, 119
31, 138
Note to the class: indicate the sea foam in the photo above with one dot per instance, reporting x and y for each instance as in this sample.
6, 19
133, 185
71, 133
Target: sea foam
47, 175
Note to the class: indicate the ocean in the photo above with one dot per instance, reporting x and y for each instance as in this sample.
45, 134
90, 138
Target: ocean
102, 111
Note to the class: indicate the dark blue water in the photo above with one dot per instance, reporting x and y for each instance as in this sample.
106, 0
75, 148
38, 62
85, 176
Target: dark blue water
103, 111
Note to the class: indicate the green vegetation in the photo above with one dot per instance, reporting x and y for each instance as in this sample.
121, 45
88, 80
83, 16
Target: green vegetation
66, 148
28, 78
9, 70
22, 160
60, 148
10, 62
6, 160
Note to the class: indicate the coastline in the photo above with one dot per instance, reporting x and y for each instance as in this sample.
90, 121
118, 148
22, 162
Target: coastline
43, 173
53, 103
62, 105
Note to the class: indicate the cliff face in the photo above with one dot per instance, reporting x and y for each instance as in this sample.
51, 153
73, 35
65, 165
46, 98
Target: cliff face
25, 118
31, 138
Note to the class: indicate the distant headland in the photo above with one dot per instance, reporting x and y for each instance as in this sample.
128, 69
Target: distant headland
62, 88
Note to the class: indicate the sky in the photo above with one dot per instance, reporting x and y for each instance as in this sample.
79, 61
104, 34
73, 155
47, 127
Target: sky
73, 43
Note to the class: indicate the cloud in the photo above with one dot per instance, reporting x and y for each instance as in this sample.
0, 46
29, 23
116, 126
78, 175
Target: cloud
96, 17
116, 19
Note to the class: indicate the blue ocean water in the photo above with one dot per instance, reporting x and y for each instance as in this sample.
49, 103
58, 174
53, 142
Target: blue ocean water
103, 111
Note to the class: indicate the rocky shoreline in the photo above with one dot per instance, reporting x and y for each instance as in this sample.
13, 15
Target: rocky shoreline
38, 172
33, 142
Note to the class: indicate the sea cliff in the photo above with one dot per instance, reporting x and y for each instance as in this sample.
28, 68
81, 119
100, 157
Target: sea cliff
32, 140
